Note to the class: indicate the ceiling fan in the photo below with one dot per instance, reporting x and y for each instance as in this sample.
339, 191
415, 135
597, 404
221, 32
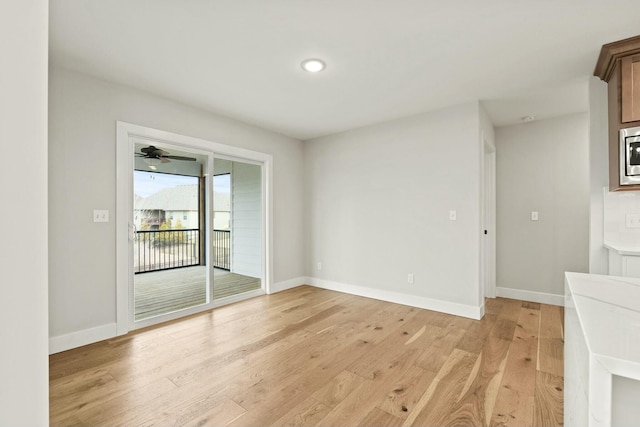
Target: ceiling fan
153, 156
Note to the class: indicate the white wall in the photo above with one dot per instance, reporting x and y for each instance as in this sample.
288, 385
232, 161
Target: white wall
542, 166
246, 218
24, 388
82, 177
598, 173
378, 202
617, 205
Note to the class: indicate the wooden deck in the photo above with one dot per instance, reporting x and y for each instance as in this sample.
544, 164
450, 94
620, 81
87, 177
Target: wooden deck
310, 356
162, 292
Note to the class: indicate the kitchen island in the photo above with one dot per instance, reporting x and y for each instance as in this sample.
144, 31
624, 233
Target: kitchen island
602, 350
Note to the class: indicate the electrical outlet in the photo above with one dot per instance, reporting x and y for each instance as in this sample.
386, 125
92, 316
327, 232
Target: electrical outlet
410, 278
319, 266
100, 215
632, 220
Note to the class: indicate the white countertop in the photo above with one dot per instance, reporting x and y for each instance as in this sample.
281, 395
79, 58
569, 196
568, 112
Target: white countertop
623, 243
608, 308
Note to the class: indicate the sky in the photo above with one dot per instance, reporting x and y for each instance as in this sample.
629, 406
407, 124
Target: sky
147, 183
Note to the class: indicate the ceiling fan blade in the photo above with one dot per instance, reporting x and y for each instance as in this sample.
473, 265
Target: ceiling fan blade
148, 149
192, 159
152, 150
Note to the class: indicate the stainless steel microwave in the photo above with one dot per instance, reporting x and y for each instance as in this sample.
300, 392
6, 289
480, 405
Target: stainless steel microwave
630, 156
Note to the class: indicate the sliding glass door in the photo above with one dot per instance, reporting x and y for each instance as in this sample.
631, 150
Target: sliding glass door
192, 225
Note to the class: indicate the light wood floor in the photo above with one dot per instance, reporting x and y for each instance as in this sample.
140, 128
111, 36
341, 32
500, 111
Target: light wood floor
165, 291
309, 356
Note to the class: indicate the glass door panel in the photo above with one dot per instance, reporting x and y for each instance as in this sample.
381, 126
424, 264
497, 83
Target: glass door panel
169, 263
238, 235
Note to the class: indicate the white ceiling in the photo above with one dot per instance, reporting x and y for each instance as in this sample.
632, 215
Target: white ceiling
385, 58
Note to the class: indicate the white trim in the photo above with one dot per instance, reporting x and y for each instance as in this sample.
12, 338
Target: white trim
448, 307
288, 284
238, 297
531, 296
124, 177
267, 224
78, 339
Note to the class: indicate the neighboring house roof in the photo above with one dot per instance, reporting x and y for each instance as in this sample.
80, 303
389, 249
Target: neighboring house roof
180, 198
137, 200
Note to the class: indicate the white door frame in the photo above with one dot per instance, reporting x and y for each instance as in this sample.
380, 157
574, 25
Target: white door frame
125, 134
489, 219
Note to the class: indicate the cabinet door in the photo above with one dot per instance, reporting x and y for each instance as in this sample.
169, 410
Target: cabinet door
630, 88
631, 266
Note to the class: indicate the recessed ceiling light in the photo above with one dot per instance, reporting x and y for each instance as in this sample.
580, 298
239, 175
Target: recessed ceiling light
313, 65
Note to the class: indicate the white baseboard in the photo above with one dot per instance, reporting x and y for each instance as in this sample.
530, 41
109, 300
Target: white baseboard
288, 284
544, 298
400, 298
78, 339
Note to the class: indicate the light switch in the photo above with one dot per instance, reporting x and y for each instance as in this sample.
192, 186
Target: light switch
534, 215
453, 215
100, 215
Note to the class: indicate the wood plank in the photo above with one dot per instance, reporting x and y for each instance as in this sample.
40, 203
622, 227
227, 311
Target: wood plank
510, 309
477, 333
434, 405
338, 389
551, 356
354, 408
514, 403
504, 329
551, 340
307, 413
444, 342
406, 391
531, 305
222, 414
380, 418
478, 397
551, 321
493, 306
549, 400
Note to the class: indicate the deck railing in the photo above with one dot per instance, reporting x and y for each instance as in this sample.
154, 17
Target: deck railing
222, 249
155, 250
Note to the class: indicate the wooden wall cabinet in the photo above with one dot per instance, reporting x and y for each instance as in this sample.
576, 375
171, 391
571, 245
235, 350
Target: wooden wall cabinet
619, 66
630, 87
